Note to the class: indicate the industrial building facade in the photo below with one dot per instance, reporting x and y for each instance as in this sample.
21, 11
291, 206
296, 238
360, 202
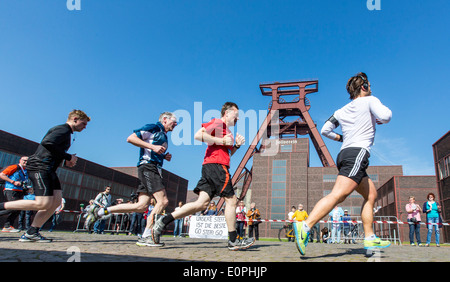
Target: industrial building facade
285, 180
441, 152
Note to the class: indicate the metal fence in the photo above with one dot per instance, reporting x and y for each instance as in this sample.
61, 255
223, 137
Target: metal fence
114, 223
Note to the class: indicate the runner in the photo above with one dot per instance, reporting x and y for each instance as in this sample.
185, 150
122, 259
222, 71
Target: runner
358, 120
42, 166
215, 178
153, 141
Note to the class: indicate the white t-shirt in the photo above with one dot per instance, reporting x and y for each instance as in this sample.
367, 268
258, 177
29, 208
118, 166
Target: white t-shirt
357, 120
290, 214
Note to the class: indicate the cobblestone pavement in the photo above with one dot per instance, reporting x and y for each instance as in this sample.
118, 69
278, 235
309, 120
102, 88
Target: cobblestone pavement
120, 248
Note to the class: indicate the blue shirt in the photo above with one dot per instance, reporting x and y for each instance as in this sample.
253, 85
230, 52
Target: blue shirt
154, 134
434, 210
15, 173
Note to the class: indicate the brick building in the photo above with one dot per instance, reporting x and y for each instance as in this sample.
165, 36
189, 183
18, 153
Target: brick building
286, 180
441, 152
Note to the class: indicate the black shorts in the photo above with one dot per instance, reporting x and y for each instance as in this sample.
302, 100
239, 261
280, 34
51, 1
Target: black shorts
215, 181
151, 179
44, 182
353, 162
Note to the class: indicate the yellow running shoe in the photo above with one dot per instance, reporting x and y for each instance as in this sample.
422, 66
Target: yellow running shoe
375, 243
301, 237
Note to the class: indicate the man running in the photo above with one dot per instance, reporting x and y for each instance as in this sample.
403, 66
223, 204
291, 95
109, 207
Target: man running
42, 166
357, 120
215, 178
153, 141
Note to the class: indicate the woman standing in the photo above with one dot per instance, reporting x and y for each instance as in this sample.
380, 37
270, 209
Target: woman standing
414, 219
433, 210
241, 212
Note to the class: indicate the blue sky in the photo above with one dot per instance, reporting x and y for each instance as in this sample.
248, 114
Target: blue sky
125, 62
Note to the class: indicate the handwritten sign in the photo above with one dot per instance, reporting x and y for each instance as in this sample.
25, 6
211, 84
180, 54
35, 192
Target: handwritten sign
209, 227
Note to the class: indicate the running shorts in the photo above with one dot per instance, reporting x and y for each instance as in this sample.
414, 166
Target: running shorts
215, 181
352, 162
44, 182
150, 177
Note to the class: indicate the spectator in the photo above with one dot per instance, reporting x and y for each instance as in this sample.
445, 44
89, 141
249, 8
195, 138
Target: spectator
413, 219
103, 200
211, 209
336, 216
347, 226
433, 210
315, 231
325, 235
27, 214
86, 210
290, 214
135, 218
253, 214
300, 214
241, 211
57, 215
178, 223
119, 219
14, 176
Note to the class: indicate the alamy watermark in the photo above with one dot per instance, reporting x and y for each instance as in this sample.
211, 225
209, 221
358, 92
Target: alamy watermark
373, 5
75, 253
73, 5
248, 126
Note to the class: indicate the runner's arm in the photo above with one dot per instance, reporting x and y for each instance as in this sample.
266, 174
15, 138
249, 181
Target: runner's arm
203, 136
382, 113
136, 141
328, 129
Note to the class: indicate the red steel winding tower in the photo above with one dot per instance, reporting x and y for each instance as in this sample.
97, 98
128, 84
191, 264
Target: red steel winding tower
288, 116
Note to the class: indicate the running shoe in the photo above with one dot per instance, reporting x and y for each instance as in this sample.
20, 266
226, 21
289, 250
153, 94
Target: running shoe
10, 229
240, 244
34, 238
376, 243
301, 237
148, 242
157, 230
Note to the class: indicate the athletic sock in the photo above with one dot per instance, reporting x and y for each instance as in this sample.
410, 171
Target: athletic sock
103, 211
371, 237
147, 232
168, 219
232, 235
306, 227
2, 206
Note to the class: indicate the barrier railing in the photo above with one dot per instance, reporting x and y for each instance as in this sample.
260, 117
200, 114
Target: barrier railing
114, 223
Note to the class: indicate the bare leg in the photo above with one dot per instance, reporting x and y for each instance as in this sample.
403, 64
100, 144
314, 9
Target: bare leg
140, 206
230, 213
367, 189
44, 214
161, 204
193, 207
343, 187
45, 205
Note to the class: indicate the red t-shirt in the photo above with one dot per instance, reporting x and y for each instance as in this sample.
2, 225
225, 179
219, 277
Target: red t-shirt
217, 154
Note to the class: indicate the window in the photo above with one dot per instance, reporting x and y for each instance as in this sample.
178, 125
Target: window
444, 168
278, 191
286, 148
329, 177
373, 177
